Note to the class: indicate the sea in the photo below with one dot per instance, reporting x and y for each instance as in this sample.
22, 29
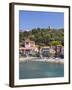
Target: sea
38, 69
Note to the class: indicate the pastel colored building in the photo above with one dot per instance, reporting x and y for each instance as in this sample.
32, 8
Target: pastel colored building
29, 47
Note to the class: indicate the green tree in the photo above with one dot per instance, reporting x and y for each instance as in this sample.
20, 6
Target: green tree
55, 43
43, 36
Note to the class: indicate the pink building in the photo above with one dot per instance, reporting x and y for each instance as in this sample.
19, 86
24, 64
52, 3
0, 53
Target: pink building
29, 46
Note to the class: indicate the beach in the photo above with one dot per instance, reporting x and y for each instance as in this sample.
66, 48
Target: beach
52, 60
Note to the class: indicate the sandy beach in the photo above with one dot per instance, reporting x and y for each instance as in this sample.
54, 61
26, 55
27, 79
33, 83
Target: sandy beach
52, 60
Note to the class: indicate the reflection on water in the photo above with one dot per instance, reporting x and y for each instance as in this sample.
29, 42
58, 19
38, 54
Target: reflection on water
32, 69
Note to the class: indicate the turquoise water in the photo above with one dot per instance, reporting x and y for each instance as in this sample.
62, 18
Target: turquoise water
38, 69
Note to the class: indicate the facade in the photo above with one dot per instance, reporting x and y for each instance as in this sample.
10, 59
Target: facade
59, 51
29, 47
52, 51
44, 51
29, 44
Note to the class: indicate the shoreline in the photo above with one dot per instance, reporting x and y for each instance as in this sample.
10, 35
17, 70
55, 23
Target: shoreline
51, 60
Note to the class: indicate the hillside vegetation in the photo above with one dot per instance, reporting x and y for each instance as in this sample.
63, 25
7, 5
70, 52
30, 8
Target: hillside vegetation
43, 36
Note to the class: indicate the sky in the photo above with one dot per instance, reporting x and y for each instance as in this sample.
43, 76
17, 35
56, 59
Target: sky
34, 19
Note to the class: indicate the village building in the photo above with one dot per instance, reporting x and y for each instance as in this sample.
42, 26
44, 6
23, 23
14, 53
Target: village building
52, 51
44, 51
47, 51
29, 47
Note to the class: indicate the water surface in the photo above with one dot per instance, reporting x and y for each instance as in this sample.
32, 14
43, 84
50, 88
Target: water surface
38, 69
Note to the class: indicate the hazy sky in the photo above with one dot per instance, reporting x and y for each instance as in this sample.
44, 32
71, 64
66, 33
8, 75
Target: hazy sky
34, 19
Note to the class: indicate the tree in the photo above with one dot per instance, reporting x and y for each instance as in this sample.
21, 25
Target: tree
43, 36
31, 37
55, 43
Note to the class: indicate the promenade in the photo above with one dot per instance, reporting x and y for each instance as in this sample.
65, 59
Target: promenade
52, 60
